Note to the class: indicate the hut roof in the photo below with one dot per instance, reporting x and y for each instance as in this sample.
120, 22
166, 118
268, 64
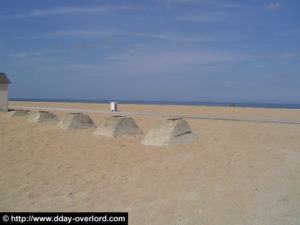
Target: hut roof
4, 79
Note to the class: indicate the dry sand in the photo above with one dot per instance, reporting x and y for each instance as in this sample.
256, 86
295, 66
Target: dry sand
238, 173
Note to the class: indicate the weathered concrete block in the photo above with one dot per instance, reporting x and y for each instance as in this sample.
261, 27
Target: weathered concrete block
169, 132
42, 116
17, 112
118, 126
76, 121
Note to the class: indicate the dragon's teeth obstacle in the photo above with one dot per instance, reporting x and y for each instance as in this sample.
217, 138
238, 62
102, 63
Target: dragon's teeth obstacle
16, 112
76, 121
118, 125
42, 116
169, 132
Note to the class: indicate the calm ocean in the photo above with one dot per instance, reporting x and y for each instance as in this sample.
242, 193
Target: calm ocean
225, 104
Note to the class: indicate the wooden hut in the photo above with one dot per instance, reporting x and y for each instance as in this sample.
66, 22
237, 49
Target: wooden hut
4, 81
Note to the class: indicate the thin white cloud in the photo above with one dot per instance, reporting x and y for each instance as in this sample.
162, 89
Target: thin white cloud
32, 53
74, 10
78, 67
212, 17
138, 63
278, 56
82, 33
82, 45
215, 67
275, 5
227, 5
18, 55
287, 33
175, 58
288, 55
207, 37
211, 3
169, 37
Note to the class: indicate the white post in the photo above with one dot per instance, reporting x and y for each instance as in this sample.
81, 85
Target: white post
113, 106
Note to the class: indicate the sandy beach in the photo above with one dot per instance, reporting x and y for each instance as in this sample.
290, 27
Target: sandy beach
238, 173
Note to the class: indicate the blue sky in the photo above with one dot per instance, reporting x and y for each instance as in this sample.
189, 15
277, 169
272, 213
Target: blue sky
184, 50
